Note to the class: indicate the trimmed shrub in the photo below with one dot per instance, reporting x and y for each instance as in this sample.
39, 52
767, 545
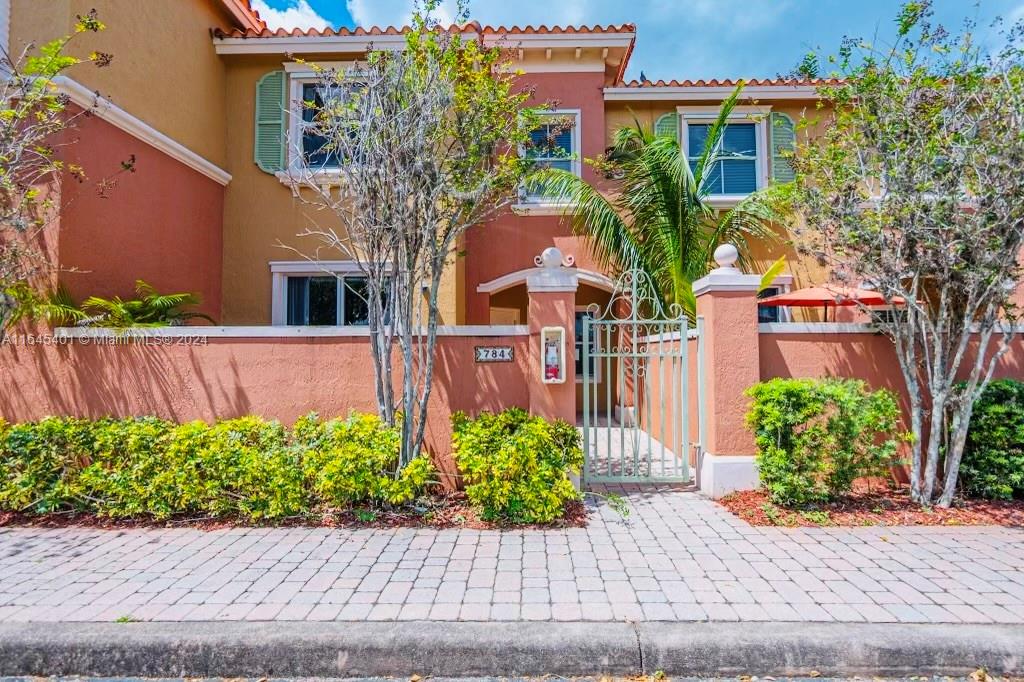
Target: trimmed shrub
355, 460
814, 437
516, 467
246, 467
993, 459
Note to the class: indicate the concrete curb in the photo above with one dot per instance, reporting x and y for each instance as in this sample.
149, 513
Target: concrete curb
306, 649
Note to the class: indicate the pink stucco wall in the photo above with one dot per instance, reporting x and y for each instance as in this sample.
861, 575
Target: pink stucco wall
161, 223
278, 378
864, 355
511, 241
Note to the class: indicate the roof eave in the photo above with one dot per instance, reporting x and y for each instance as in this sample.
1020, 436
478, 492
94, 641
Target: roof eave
705, 92
283, 44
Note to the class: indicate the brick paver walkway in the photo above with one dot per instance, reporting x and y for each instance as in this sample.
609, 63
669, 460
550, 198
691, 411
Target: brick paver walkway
677, 557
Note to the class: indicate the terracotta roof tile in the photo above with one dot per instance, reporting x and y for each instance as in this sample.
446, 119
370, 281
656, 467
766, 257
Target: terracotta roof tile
472, 27
243, 12
730, 83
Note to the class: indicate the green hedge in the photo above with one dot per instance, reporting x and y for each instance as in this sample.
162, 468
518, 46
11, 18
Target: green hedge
814, 437
993, 459
246, 467
516, 467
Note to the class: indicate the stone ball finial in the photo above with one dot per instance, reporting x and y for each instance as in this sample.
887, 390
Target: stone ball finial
726, 256
550, 258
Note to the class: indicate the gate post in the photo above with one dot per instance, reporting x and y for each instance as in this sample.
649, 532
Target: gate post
727, 300
552, 289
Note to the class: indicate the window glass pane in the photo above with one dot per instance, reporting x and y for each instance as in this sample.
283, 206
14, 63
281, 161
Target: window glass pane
298, 292
312, 143
739, 138
580, 316
696, 137
550, 141
323, 301
739, 176
551, 146
357, 311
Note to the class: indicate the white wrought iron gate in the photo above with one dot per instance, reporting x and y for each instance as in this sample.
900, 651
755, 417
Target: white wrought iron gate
637, 387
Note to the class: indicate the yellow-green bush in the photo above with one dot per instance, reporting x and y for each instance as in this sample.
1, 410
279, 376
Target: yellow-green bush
246, 467
516, 467
356, 460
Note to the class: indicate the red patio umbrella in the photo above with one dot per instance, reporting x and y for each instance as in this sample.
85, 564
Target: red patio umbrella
826, 296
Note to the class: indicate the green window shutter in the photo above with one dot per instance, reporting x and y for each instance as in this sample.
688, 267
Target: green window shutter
269, 146
783, 145
667, 125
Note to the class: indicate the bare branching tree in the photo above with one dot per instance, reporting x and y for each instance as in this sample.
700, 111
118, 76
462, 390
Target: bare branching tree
427, 142
916, 189
33, 117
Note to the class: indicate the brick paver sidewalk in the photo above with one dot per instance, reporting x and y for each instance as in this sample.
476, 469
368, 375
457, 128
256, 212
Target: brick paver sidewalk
677, 556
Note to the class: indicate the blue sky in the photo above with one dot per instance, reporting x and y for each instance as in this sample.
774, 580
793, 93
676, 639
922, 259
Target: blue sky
676, 38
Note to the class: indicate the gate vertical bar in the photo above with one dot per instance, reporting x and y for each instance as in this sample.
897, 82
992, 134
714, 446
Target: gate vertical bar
586, 402
684, 398
701, 398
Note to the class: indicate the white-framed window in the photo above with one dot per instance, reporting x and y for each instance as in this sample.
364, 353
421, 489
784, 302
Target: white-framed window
744, 159
555, 143
306, 147
594, 343
329, 293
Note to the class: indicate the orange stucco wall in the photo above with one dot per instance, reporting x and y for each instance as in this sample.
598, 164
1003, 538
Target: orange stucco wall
276, 378
164, 70
161, 223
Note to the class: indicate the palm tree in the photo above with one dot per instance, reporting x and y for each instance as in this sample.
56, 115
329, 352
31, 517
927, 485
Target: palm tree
659, 220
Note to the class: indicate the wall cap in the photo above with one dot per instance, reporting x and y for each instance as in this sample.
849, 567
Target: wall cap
553, 273
726, 279
270, 332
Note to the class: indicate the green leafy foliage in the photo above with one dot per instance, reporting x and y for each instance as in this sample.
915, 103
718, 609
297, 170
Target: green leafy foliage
516, 467
815, 437
246, 467
149, 309
356, 460
993, 460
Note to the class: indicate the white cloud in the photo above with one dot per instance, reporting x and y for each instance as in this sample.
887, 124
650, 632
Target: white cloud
297, 14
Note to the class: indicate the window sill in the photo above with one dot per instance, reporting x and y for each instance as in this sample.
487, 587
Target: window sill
724, 200
541, 208
321, 178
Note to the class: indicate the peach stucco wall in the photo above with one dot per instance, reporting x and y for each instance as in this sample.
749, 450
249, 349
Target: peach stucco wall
161, 223
866, 356
275, 378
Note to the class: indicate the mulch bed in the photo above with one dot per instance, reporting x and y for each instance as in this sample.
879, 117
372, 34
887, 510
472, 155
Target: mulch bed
878, 507
440, 511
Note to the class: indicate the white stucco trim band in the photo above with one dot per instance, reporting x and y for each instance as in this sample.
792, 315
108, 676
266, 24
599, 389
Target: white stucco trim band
713, 93
139, 129
270, 332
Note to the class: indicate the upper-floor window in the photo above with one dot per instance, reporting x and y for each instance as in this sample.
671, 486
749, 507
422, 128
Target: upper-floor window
315, 147
743, 158
554, 144
736, 170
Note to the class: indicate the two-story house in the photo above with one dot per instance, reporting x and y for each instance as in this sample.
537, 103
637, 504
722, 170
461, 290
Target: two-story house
198, 91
